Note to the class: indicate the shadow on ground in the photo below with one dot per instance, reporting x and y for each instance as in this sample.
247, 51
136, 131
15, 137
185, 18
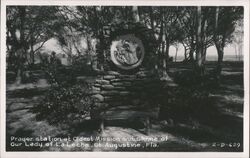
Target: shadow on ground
207, 118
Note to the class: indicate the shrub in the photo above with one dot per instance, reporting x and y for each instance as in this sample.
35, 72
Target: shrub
65, 104
66, 101
81, 65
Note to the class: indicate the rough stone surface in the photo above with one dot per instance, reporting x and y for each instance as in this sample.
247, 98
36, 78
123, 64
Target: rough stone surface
115, 80
126, 83
127, 76
113, 73
124, 92
96, 88
117, 84
101, 105
107, 98
116, 89
109, 77
107, 87
94, 92
102, 82
85, 79
119, 88
97, 85
98, 97
110, 93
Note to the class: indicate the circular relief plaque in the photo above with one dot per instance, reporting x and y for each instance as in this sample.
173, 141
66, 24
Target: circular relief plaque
127, 51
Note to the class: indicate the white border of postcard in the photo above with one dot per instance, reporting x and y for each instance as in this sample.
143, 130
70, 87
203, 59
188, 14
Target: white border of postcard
244, 154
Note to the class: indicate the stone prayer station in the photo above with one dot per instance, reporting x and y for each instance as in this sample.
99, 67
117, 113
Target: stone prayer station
128, 83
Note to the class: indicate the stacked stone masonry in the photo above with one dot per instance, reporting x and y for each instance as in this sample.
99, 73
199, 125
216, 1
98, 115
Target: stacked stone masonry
114, 88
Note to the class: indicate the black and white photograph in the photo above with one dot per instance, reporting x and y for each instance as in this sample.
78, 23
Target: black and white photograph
124, 78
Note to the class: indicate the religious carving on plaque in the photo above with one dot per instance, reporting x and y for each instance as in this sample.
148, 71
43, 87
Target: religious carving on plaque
127, 51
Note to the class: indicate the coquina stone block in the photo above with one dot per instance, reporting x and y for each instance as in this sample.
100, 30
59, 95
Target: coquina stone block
96, 88
113, 73
101, 82
117, 84
98, 97
109, 77
107, 87
110, 93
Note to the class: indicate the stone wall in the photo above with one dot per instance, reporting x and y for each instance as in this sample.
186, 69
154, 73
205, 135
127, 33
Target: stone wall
113, 88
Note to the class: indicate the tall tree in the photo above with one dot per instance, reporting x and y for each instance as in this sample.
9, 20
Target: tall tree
28, 28
188, 25
177, 46
169, 34
225, 20
238, 39
203, 38
199, 44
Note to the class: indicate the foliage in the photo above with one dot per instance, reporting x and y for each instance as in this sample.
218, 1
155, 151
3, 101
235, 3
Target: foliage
65, 104
187, 101
225, 20
28, 28
66, 100
80, 30
81, 65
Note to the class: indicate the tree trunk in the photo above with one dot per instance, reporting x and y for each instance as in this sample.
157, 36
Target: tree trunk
32, 54
204, 51
20, 65
240, 51
220, 52
185, 52
135, 12
156, 66
235, 51
100, 52
165, 59
89, 50
199, 45
163, 48
191, 54
152, 18
220, 59
21, 49
219, 45
191, 51
163, 52
176, 52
